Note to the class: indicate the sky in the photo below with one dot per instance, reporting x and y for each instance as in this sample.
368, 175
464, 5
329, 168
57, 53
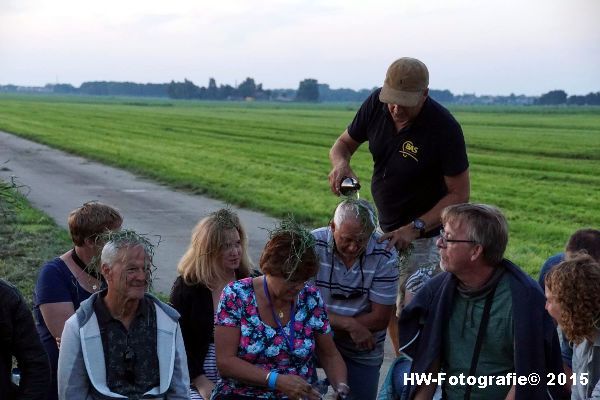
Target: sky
470, 46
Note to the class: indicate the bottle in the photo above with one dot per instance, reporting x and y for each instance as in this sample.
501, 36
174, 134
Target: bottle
349, 186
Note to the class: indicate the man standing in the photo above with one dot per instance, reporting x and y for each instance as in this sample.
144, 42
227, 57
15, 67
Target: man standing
18, 339
483, 317
420, 162
358, 280
122, 341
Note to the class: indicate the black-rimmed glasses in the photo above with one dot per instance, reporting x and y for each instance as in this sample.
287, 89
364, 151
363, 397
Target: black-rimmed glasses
445, 239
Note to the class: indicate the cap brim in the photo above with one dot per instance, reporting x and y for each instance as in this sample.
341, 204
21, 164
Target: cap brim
389, 95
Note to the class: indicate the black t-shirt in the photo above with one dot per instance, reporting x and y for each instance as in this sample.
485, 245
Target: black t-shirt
410, 165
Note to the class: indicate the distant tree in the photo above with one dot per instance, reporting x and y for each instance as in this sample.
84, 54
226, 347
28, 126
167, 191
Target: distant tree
8, 88
183, 90
443, 96
308, 90
123, 89
247, 88
593, 99
226, 92
63, 88
213, 91
553, 97
589, 99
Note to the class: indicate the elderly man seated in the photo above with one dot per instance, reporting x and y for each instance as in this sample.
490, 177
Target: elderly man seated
123, 342
358, 279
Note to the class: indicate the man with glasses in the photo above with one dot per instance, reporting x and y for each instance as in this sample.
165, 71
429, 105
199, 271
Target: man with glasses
483, 316
123, 342
358, 280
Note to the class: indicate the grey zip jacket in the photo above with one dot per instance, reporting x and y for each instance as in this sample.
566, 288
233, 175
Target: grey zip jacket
81, 366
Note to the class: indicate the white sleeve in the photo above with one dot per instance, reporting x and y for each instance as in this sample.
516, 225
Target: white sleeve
73, 382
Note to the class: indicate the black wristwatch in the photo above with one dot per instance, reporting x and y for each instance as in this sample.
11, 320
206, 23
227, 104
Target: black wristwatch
419, 225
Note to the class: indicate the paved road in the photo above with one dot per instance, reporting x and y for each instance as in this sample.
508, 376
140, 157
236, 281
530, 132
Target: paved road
59, 182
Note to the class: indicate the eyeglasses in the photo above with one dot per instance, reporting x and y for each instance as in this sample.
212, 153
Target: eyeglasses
356, 293
444, 239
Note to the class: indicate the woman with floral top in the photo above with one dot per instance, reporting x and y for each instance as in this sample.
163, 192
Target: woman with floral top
268, 328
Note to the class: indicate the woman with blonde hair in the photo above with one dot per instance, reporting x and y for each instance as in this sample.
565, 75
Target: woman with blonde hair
573, 300
217, 255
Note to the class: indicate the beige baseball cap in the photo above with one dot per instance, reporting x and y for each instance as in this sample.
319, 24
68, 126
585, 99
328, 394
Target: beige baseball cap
405, 82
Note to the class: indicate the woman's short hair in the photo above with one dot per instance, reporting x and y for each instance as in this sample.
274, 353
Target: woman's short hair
92, 219
485, 225
574, 285
290, 255
202, 261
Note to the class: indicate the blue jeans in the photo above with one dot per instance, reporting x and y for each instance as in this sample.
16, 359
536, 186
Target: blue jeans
400, 391
362, 379
401, 367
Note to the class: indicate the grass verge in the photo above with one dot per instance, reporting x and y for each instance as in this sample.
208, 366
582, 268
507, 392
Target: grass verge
28, 238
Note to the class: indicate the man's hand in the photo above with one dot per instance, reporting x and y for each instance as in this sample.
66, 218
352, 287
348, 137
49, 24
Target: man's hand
401, 238
340, 155
338, 172
362, 336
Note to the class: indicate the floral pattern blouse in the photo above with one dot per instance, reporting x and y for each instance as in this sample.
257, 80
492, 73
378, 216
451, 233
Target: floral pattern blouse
265, 346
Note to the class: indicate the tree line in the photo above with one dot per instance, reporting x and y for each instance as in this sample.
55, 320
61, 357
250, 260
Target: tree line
557, 97
309, 90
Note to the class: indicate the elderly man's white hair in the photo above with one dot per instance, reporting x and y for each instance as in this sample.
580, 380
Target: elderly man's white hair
360, 210
120, 240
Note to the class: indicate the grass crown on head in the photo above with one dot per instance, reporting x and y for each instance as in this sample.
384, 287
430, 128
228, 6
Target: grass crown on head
126, 238
226, 219
294, 254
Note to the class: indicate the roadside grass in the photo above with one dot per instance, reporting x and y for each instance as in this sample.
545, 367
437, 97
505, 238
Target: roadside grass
28, 238
540, 165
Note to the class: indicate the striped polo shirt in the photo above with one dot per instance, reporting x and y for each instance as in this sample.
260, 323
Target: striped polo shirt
377, 282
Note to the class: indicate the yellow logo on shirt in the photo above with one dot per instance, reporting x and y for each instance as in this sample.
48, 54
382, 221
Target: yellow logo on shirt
409, 150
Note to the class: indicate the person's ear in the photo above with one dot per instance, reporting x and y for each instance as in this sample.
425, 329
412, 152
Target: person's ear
476, 252
105, 271
89, 242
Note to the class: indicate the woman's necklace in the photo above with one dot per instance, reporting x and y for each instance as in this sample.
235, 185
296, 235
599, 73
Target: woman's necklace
289, 338
84, 268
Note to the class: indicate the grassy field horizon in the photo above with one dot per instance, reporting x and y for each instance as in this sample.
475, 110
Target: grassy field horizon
539, 165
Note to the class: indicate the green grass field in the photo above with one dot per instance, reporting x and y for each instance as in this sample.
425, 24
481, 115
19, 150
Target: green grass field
540, 165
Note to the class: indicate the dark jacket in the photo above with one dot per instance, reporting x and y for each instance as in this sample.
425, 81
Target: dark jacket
19, 338
194, 304
537, 349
